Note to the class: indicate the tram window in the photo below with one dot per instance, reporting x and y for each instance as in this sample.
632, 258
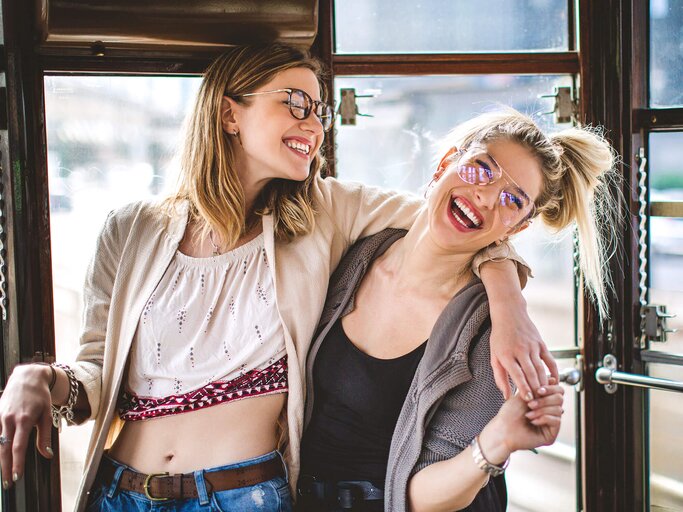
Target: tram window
111, 140
372, 26
666, 233
666, 287
666, 53
396, 149
666, 449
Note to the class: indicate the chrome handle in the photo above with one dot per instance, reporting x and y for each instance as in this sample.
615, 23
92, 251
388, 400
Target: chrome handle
571, 376
610, 377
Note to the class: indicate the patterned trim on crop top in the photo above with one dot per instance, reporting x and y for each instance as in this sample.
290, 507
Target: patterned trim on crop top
270, 380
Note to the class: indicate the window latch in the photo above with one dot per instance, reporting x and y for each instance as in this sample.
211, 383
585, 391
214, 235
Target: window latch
655, 316
348, 108
565, 106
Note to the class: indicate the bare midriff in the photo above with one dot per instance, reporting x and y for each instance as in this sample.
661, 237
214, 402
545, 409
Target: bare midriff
211, 437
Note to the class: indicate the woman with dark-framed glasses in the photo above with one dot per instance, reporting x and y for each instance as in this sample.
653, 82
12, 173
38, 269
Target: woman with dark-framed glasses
199, 310
402, 408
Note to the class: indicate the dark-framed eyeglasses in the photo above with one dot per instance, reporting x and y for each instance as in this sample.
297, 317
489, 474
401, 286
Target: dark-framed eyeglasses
476, 167
301, 105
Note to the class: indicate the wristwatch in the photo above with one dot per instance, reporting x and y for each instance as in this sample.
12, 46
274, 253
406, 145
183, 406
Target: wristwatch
482, 463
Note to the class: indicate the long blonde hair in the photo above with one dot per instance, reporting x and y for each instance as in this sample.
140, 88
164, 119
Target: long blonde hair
578, 170
208, 176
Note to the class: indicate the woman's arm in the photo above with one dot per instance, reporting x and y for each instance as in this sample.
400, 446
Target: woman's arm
517, 349
454, 483
360, 210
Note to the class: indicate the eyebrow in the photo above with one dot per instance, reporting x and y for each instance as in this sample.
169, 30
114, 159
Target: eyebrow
494, 161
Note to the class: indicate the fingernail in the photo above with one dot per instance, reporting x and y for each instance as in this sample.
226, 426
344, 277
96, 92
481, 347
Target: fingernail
49, 450
533, 404
542, 391
528, 396
5, 484
15, 476
529, 414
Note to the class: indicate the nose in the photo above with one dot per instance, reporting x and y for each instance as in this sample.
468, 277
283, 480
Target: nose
487, 195
312, 125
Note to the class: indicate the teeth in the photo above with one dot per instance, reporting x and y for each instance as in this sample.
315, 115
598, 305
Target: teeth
470, 214
299, 146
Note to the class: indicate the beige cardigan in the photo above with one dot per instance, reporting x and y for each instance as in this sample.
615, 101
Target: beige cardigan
138, 242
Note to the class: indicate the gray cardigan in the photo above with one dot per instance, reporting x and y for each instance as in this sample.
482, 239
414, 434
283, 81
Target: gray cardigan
453, 394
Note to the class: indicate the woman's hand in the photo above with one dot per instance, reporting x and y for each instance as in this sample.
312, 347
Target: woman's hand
25, 403
517, 349
520, 425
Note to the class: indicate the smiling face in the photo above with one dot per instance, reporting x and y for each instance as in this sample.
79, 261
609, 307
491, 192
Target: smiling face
272, 142
465, 217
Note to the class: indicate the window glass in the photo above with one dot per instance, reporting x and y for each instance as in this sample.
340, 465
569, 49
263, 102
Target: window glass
395, 149
666, 52
666, 449
666, 234
406, 26
554, 466
111, 140
666, 287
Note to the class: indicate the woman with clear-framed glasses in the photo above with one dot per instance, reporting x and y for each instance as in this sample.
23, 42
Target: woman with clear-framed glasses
199, 310
402, 410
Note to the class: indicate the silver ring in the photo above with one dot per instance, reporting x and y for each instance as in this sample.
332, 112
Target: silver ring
4, 440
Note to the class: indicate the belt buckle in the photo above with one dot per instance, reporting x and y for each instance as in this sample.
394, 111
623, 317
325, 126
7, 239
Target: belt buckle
145, 486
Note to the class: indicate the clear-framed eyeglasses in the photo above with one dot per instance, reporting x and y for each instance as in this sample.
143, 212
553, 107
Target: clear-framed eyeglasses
476, 167
301, 105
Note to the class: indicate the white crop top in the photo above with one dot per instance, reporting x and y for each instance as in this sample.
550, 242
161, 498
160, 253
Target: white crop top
210, 333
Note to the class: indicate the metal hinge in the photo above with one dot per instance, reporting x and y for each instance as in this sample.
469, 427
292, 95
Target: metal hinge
348, 109
566, 104
655, 327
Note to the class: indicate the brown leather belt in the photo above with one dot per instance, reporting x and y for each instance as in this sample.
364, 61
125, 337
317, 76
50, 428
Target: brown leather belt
162, 486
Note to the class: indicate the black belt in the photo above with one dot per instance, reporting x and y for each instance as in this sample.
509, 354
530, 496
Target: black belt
343, 494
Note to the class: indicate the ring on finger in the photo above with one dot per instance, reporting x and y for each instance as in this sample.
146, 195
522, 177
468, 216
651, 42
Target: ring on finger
4, 440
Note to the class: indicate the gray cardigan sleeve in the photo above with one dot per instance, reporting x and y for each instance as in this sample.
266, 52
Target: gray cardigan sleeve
463, 413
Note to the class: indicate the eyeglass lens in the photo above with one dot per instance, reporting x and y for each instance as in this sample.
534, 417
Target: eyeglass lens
513, 205
301, 104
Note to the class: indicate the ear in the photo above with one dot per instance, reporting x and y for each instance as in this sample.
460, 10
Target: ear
443, 164
228, 119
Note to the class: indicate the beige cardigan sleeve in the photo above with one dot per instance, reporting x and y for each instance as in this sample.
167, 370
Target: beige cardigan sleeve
359, 210
504, 251
97, 294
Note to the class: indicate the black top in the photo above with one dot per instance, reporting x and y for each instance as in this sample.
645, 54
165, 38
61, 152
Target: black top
358, 399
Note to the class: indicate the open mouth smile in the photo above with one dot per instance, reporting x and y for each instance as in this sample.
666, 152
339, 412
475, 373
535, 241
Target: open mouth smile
298, 147
465, 214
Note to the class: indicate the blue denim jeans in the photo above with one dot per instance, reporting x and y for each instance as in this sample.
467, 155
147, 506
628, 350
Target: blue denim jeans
270, 496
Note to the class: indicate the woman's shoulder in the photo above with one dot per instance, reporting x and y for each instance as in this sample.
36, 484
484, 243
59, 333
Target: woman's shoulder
145, 213
334, 192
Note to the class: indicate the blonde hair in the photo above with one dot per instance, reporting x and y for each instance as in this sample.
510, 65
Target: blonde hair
578, 169
208, 176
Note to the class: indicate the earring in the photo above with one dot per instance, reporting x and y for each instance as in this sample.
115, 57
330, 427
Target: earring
236, 132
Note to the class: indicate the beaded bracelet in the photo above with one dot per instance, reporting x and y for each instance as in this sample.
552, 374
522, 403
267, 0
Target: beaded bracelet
66, 411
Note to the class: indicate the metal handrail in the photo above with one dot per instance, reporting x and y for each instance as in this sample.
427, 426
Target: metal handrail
608, 376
